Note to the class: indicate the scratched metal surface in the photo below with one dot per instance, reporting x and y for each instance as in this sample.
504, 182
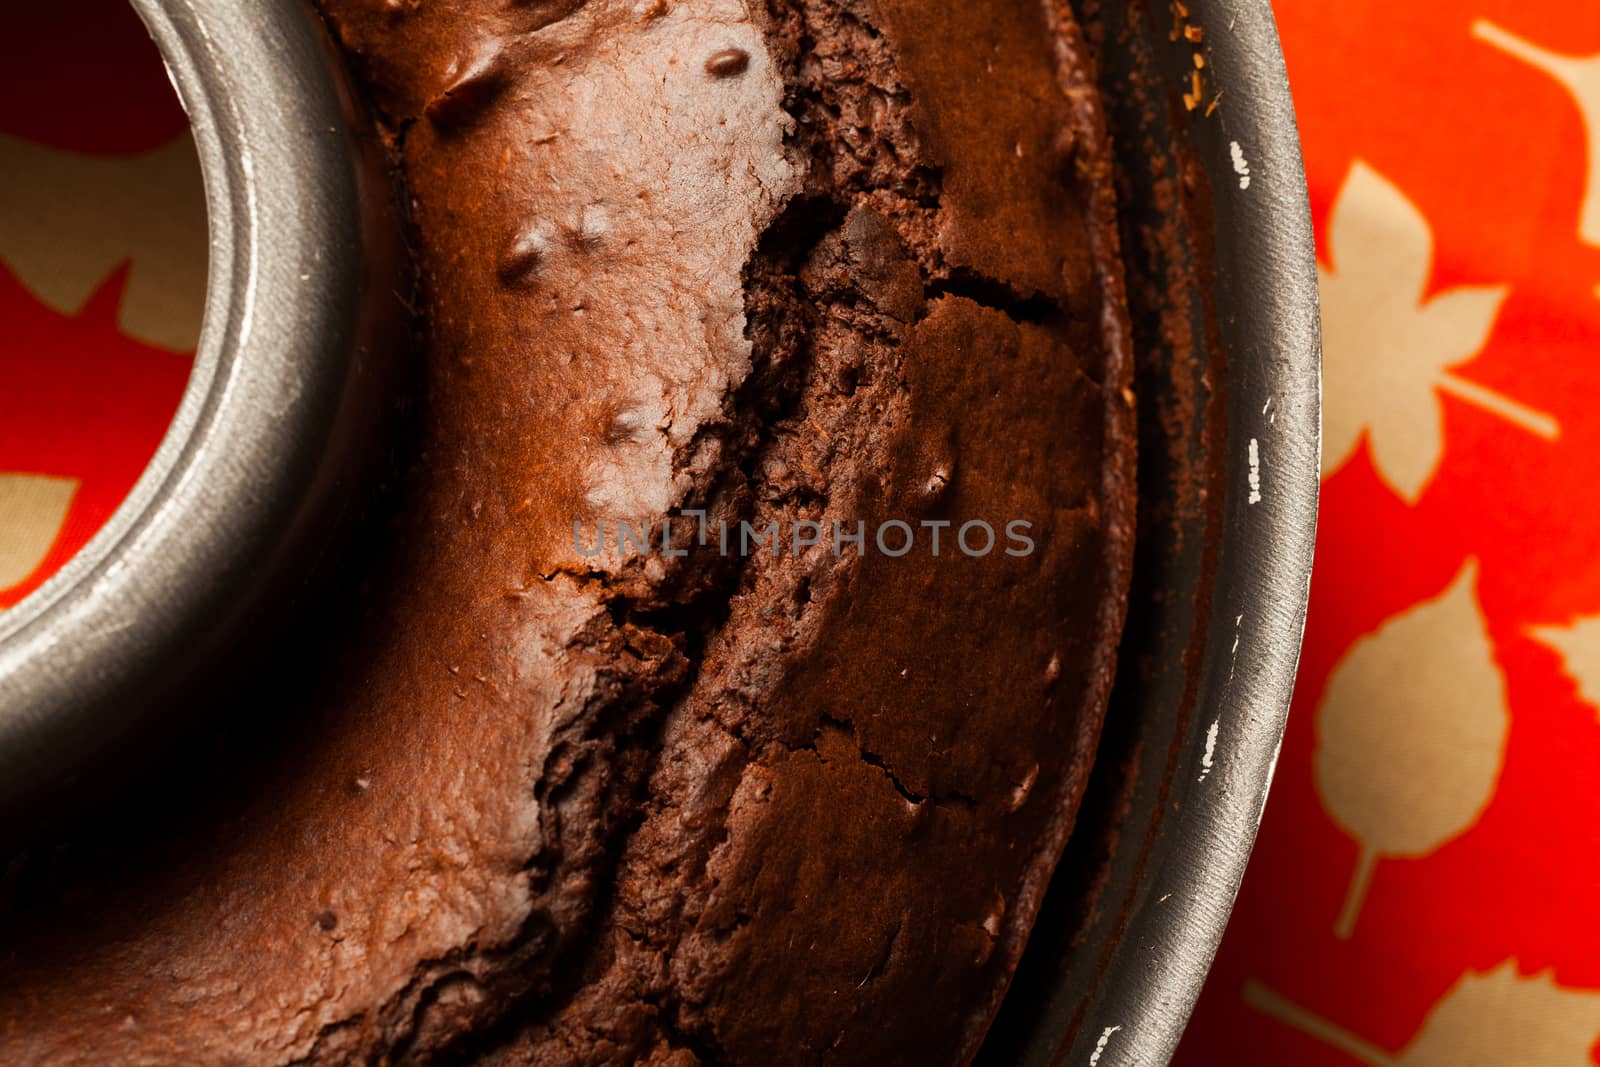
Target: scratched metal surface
263, 450
1218, 609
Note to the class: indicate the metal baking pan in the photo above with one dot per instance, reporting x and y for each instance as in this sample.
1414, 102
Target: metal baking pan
270, 446
270, 440
1223, 287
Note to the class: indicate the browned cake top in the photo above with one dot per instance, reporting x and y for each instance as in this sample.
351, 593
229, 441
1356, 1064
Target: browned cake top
807, 261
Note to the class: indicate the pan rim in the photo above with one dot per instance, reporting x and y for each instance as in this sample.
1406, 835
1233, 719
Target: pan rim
217, 508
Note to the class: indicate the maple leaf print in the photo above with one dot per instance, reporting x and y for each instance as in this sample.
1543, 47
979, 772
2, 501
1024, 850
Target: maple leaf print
82, 403
1411, 731
1487, 1019
1388, 348
71, 219
1579, 647
1580, 77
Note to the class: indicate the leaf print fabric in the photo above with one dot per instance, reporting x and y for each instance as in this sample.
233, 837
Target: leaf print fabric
1485, 1020
1390, 346
1423, 888
1410, 734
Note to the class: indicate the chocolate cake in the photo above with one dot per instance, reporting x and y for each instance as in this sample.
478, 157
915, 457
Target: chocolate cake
725, 688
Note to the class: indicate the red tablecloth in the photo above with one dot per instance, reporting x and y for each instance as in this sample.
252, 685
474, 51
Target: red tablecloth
1428, 872
1426, 882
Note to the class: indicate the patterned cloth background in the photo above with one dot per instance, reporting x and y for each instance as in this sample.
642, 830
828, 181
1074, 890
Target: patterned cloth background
1425, 887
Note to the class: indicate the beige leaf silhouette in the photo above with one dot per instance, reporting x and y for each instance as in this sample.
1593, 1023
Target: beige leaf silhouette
71, 219
1388, 348
32, 510
1487, 1019
1581, 78
1579, 646
1411, 731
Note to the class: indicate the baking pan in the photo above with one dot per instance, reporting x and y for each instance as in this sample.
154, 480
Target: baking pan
267, 448
1223, 289
266, 454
